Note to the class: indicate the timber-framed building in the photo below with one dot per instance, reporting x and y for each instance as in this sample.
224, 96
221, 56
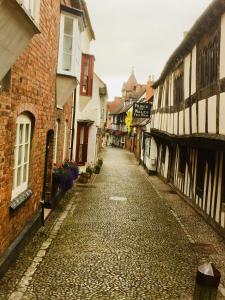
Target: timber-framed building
188, 123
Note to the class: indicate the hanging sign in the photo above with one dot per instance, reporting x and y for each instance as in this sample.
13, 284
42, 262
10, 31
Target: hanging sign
141, 110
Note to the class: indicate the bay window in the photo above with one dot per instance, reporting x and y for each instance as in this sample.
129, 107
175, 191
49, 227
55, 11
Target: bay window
69, 45
21, 155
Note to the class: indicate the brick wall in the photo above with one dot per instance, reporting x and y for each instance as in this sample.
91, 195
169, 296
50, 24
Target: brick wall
33, 86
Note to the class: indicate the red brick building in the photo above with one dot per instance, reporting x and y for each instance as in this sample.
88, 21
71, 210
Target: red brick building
36, 99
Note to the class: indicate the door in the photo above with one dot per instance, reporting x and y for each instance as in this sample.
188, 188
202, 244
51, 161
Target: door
82, 143
47, 184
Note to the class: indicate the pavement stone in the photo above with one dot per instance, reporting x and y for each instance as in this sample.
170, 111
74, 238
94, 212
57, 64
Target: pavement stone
105, 249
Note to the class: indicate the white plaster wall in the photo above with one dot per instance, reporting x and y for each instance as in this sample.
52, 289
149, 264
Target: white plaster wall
222, 114
175, 123
187, 62
85, 42
92, 111
187, 121
75, 123
222, 48
153, 156
166, 122
172, 123
155, 100
91, 157
201, 116
193, 75
166, 166
212, 115
171, 91
194, 118
181, 123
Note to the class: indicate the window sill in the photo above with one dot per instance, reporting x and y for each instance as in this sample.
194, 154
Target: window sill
19, 200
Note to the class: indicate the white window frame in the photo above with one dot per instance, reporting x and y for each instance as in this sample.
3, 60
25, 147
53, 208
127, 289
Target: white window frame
56, 142
24, 121
32, 7
76, 51
65, 141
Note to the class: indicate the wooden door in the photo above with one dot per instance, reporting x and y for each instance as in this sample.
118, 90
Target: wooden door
82, 143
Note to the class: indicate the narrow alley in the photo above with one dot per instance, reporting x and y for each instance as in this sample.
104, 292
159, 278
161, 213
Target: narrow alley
115, 238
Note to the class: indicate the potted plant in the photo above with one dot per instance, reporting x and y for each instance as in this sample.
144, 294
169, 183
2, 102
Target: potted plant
100, 162
83, 178
89, 171
66, 179
97, 169
73, 167
63, 177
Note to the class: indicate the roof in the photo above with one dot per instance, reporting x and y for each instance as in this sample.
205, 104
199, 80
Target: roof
131, 83
115, 106
201, 26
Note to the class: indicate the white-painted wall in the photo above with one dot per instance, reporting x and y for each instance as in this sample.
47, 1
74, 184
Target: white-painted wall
181, 123
187, 121
152, 163
222, 114
201, 116
194, 118
212, 115
187, 62
85, 42
193, 70
222, 48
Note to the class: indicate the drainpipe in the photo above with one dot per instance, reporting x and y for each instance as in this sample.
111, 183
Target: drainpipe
73, 125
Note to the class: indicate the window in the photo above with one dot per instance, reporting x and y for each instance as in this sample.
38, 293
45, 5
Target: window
209, 63
65, 140
167, 93
56, 141
69, 46
178, 88
160, 96
87, 70
21, 155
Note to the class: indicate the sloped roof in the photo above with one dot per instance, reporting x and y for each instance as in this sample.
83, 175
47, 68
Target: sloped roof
131, 82
201, 26
115, 106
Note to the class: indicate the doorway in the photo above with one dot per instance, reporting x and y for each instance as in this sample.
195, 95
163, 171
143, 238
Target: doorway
47, 184
82, 143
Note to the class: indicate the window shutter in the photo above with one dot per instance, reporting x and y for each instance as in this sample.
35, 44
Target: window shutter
90, 75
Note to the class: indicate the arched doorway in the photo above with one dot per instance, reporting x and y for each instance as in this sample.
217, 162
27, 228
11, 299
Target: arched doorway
47, 183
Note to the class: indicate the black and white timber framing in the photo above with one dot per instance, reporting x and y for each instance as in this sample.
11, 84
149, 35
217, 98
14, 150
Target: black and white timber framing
188, 117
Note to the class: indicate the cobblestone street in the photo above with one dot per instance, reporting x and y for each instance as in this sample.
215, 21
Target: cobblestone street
95, 247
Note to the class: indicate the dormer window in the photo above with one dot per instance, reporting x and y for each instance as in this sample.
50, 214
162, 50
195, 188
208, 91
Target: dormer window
87, 71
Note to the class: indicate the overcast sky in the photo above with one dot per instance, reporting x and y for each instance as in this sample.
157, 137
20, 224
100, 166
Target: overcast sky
139, 33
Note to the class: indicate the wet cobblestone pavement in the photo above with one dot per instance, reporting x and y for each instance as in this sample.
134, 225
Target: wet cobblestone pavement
105, 249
